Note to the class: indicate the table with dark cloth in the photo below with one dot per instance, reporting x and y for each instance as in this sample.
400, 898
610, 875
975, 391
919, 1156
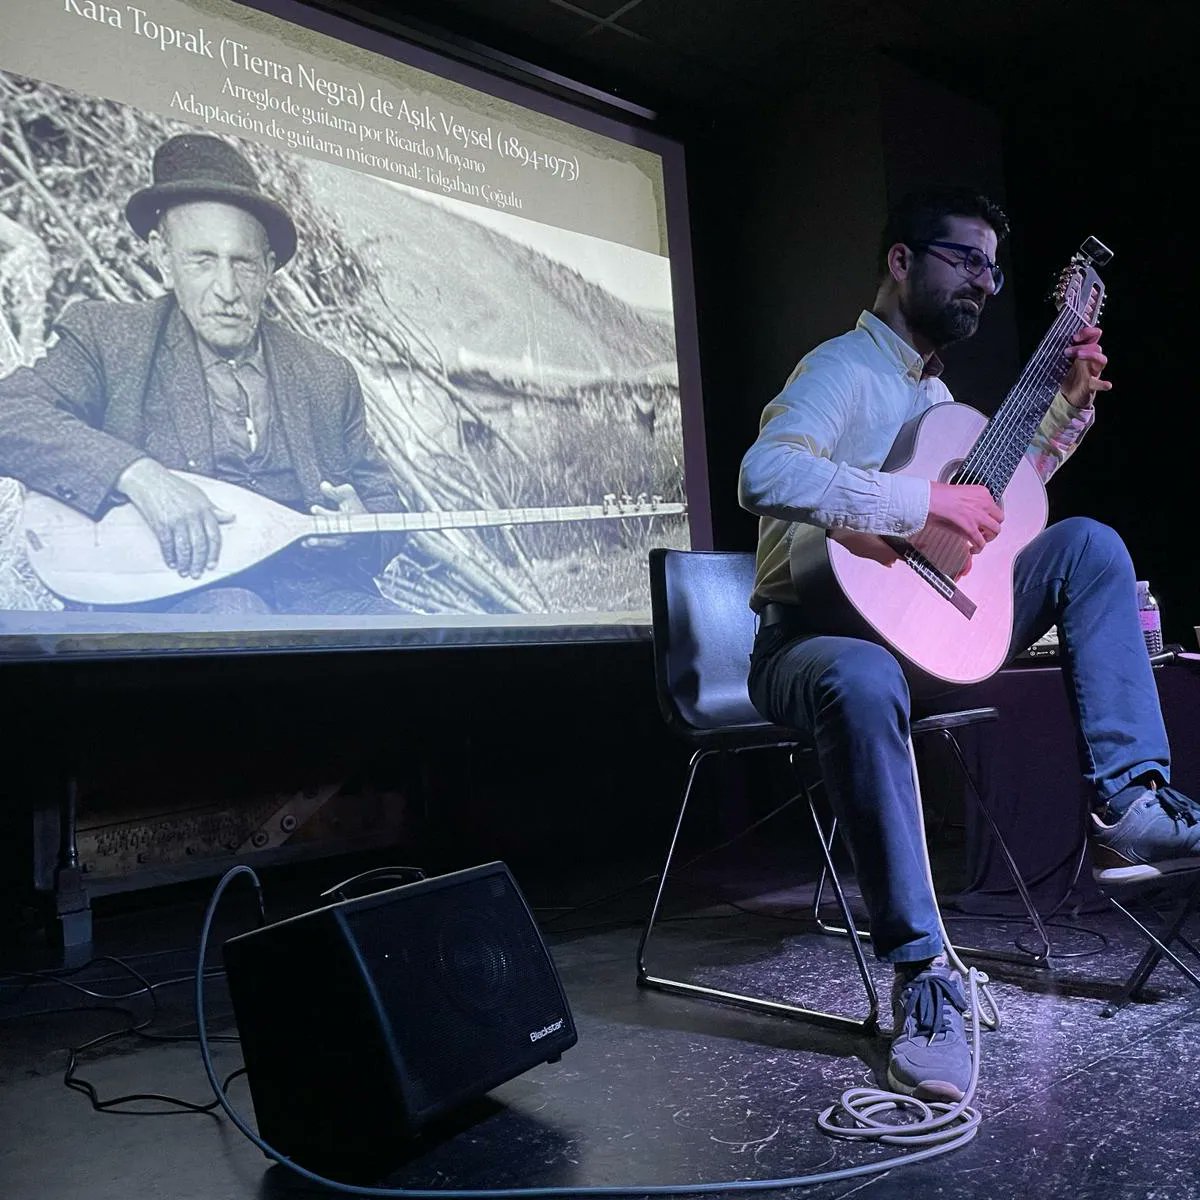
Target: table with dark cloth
1027, 766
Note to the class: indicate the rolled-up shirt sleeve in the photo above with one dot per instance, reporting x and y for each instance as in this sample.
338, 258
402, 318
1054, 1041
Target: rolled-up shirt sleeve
1059, 435
796, 468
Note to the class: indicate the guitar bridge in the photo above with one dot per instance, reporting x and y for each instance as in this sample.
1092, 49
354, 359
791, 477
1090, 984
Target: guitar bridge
939, 581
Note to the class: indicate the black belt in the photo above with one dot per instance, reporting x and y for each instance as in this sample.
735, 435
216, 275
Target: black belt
774, 613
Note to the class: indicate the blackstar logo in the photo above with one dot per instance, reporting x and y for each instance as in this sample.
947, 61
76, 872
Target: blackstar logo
538, 1034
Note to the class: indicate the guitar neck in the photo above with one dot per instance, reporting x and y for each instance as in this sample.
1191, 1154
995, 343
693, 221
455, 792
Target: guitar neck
415, 522
994, 458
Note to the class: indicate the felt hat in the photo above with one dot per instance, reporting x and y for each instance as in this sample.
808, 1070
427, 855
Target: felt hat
198, 166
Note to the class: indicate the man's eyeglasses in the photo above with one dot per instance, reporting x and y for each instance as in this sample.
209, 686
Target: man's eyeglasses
973, 262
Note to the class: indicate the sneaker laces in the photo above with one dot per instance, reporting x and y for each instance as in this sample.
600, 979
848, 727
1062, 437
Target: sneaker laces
928, 1001
1178, 806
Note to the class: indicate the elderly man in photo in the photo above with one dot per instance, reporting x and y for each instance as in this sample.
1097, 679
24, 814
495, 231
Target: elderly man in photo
199, 381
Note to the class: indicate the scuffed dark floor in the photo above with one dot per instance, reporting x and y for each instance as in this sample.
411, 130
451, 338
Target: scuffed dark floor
659, 1090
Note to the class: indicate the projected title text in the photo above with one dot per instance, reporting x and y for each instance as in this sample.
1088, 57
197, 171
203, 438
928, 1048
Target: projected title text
415, 143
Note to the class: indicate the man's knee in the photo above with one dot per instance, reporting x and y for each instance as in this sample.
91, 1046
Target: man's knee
863, 679
1097, 544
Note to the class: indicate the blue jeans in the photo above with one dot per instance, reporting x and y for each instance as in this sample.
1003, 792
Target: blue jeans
851, 698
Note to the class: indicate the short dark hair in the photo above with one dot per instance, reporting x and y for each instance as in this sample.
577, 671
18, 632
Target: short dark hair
921, 217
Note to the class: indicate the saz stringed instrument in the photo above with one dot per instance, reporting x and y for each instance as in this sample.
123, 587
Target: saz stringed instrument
117, 560
951, 625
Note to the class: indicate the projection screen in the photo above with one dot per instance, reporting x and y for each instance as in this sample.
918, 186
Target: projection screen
315, 338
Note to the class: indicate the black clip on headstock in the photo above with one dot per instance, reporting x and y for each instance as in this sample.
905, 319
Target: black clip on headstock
1096, 252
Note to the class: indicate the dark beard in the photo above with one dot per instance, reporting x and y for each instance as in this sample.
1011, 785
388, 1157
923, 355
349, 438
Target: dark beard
943, 324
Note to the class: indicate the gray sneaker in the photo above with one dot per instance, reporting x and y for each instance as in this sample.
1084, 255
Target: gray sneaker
930, 1056
1158, 834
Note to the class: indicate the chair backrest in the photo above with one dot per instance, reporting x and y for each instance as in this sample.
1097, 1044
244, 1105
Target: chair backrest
703, 634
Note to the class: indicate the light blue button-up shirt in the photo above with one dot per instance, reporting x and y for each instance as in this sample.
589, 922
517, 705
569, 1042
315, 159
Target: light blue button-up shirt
816, 462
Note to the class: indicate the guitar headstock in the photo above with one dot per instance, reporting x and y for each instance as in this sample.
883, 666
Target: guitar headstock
1079, 288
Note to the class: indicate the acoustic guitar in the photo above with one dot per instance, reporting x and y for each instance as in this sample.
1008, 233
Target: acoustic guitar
942, 610
117, 560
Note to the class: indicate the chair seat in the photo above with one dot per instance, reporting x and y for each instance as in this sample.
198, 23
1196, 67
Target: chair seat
953, 720
762, 733
748, 735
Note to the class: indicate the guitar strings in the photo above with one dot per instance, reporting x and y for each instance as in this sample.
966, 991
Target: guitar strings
1049, 346
1044, 370
1026, 395
1043, 373
945, 548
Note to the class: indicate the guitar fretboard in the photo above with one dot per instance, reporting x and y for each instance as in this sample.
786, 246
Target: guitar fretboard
994, 458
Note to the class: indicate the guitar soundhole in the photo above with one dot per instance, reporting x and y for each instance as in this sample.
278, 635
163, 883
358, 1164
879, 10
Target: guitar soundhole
950, 472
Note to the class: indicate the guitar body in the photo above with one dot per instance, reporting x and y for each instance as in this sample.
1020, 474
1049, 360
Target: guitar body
892, 604
117, 560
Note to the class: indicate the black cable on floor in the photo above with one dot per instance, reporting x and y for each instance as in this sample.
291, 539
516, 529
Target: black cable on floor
137, 1028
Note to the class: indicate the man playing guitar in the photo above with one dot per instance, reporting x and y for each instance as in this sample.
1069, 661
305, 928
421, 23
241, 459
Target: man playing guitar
815, 471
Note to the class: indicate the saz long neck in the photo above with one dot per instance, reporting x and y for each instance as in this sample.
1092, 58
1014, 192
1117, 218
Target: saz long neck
482, 518
994, 458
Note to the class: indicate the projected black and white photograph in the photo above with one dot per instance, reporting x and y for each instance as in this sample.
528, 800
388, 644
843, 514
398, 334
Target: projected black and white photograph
243, 383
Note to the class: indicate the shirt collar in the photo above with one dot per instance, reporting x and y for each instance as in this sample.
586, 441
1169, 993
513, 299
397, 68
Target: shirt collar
253, 357
894, 347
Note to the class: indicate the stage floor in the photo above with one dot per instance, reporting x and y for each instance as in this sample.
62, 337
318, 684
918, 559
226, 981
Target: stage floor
660, 1090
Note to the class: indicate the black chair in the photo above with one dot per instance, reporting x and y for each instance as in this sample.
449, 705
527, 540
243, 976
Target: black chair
703, 633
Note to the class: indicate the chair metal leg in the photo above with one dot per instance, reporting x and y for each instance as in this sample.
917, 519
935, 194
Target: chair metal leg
868, 1024
1036, 957
693, 767
843, 904
829, 874
1033, 957
1159, 947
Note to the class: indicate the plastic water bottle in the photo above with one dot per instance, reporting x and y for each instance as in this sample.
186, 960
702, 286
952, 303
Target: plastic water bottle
1150, 617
